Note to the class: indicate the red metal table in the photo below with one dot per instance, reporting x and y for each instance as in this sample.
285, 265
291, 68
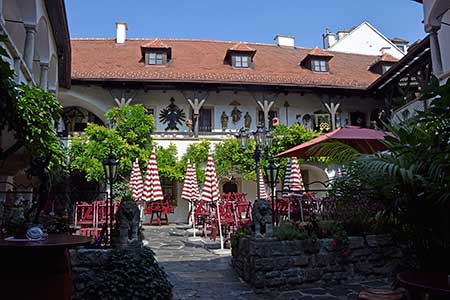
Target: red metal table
421, 285
37, 270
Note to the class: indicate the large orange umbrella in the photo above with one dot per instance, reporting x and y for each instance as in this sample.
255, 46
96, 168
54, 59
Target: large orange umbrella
364, 140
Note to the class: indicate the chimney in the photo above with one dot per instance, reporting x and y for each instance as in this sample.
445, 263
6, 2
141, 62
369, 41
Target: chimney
121, 32
284, 40
329, 39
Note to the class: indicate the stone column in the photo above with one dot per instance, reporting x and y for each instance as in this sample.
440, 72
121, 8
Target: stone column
435, 52
43, 83
30, 38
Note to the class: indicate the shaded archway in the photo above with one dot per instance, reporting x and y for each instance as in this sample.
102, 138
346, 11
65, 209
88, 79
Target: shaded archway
75, 119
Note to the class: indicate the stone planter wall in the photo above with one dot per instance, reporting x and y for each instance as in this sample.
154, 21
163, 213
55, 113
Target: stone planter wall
83, 262
273, 264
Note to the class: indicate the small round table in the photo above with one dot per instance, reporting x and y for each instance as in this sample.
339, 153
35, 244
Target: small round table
37, 270
420, 284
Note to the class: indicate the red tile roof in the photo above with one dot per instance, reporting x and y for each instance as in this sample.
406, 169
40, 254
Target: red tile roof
386, 58
203, 61
242, 47
155, 44
319, 52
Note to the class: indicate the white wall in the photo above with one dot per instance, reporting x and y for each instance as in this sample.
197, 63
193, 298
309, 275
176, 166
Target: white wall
444, 43
365, 40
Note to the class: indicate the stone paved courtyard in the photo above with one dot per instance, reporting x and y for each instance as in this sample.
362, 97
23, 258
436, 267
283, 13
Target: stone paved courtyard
198, 273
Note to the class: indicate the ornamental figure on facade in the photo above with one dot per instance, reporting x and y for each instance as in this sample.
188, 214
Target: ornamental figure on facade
224, 121
236, 115
172, 115
247, 120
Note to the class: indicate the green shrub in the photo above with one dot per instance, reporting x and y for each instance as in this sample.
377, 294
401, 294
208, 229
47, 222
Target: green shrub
237, 235
288, 231
128, 274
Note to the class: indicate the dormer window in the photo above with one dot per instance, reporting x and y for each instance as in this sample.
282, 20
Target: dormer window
317, 60
319, 65
241, 61
155, 58
156, 53
383, 63
240, 56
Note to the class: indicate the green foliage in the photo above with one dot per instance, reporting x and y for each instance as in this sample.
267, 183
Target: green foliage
127, 274
285, 137
168, 165
288, 231
129, 139
197, 154
8, 91
414, 177
31, 114
236, 237
133, 124
37, 112
120, 190
229, 158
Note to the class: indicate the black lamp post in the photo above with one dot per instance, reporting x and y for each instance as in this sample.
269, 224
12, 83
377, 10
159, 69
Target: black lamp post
110, 167
263, 139
271, 178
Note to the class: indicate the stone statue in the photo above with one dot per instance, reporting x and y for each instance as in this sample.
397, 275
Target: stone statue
262, 218
127, 224
224, 120
236, 115
247, 120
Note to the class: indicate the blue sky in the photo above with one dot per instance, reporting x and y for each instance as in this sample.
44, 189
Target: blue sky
243, 20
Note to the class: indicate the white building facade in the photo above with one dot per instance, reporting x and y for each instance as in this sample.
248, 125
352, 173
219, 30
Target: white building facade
364, 39
242, 85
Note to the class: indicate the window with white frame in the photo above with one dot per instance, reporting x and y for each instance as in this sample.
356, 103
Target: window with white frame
319, 65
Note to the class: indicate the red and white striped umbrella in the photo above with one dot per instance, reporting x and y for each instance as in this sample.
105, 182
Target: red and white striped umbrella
262, 187
297, 185
195, 189
186, 192
190, 190
152, 185
210, 191
135, 184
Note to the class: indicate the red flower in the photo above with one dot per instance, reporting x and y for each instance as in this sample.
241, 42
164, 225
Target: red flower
324, 232
346, 252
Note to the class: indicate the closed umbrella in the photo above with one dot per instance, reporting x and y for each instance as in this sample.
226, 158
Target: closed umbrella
210, 191
296, 186
136, 184
190, 191
262, 188
152, 185
287, 185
